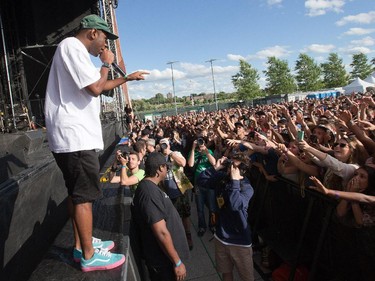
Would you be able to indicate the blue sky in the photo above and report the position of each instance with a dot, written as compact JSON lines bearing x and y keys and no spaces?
{"x":192,"y":32}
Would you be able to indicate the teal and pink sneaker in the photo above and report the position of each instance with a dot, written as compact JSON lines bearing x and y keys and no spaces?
{"x":97,"y":244}
{"x":102,"y":260}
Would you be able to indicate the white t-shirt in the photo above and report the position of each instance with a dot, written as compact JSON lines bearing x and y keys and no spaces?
{"x":72,"y":113}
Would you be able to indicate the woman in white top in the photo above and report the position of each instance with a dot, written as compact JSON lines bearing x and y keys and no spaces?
{"x":341,"y":166}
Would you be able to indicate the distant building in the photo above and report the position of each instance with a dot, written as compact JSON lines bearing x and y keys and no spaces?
{"x":202,"y":98}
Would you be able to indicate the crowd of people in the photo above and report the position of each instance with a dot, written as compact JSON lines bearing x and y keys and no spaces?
{"x":324,"y":145}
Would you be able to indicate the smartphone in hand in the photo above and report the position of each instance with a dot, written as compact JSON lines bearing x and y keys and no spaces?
{"x":300,"y":135}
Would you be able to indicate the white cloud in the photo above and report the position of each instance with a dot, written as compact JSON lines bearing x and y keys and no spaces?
{"x":359,"y":46}
{"x":319,"y":48}
{"x":366,"y":41}
{"x":359,"y":31}
{"x":262,"y":82}
{"x":235,"y":57}
{"x":355,"y":50}
{"x":188,"y":78}
{"x":177,"y":74}
{"x":275,"y":51}
{"x":156,"y":74}
{"x":194,"y":69}
{"x":320,"y":59}
{"x":225,"y":69}
{"x":362,"y":18}
{"x":321,"y":7}
{"x":274,"y":2}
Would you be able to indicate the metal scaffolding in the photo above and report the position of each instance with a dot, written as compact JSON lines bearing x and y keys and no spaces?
{"x":26,"y":54}
{"x":120,"y":94}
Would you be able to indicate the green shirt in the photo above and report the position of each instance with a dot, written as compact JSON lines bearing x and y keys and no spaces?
{"x":140,"y":174}
{"x":203,"y":163}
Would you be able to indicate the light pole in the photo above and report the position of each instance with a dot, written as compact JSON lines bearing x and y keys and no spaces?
{"x":213,"y":82}
{"x":174,"y":94}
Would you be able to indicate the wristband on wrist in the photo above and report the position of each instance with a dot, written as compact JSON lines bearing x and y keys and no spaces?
{"x":123,"y":167}
{"x":106,"y":65}
{"x":178,"y":263}
{"x":125,"y":76}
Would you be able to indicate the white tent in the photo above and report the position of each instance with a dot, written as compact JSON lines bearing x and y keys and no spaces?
{"x":370,"y":78}
{"x":358,"y":85}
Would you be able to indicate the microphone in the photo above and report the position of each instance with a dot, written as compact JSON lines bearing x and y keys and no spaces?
{"x":118,"y":69}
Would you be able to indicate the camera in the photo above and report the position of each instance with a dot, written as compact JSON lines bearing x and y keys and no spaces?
{"x":227,"y":163}
{"x":251,"y":135}
{"x":200,"y":141}
{"x":125,"y":155}
{"x":242,"y":166}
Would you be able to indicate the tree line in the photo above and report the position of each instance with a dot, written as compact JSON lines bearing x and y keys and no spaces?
{"x":308,"y":76}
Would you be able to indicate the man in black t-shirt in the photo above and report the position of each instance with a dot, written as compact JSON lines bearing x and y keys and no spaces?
{"x":157,"y":225}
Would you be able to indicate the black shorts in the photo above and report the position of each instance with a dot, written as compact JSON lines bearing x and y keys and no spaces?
{"x":81,"y":174}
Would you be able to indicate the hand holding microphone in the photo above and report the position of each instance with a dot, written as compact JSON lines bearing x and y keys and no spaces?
{"x":106,"y":56}
{"x":118,"y":69}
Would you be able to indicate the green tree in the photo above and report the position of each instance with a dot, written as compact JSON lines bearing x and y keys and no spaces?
{"x":159,"y":97}
{"x":245,"y":81}
{"x":222,"y":96}
{"x":279,"y":77}
{"x":334,"y":73}
{"x":140,"y":105}
{"x":308,"y":75}
{"x":360,"y":66}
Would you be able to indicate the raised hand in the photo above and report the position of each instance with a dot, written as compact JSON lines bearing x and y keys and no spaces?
{"x":235,"y":173}
{"x":232,"y":142}
{"x":366,"y":125}
{"x":318,"y":185}
{"x":345,"y":116}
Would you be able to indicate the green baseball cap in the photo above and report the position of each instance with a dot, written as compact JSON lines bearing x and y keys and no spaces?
{"x":94,"y":21}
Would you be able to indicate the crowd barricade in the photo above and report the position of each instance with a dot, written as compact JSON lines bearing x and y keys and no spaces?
{"x":301,"y":228}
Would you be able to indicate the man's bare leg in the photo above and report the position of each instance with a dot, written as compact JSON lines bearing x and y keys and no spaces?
{"x":83,"y":223}
{"x":77,"y":243}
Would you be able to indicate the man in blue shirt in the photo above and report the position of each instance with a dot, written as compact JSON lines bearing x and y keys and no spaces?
{"x":233,"y":235}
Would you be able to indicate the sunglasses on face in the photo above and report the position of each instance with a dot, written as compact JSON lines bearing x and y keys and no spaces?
{"x":340,"y":144}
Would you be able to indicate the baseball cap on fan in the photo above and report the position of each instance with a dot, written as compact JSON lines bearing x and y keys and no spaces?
{"x":238,"y":124}
{"x":96,"y":22}
{"x":154,"y":161}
